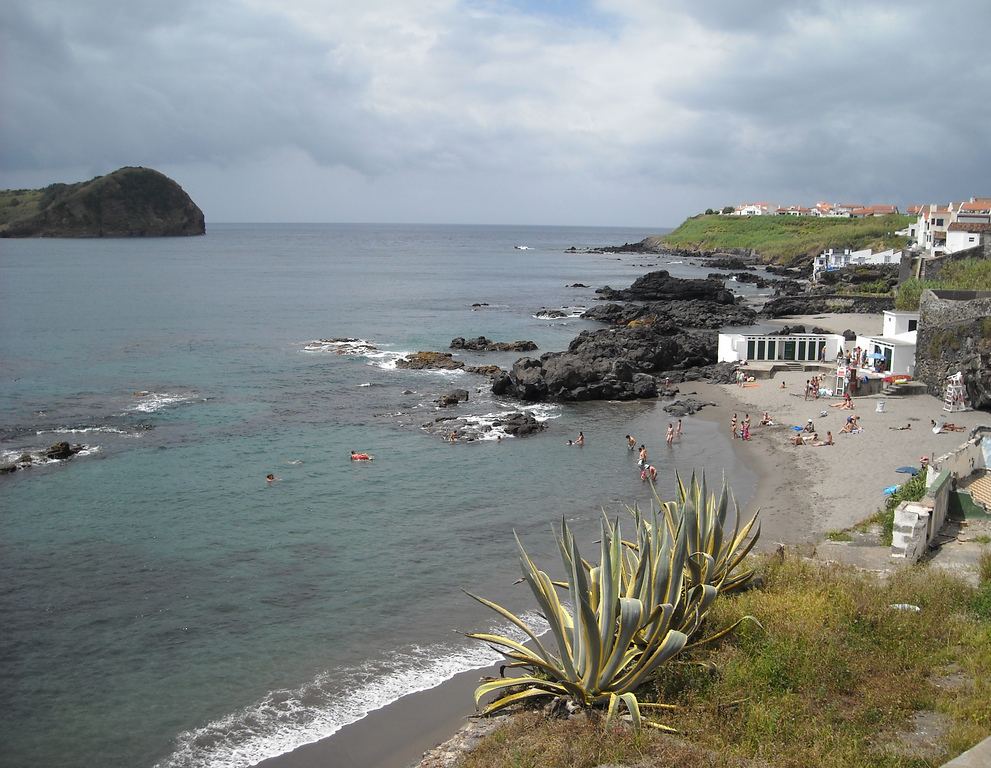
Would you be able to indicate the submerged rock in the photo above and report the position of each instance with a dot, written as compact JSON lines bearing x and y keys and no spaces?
{"x":482,"y":344}
{"x":519,"y":424}
{"x":686,"y":407}
{"x":453,"y":397}
{"x":62,"y":450}
{"x":427,"y":360}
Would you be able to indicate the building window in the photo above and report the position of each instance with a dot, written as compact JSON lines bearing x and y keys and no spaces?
{"x":771,"y":350}
{"x":939,"y":222}
{"x":801,"y":350}
{"x":912,"y":325}
{"x":761,"y":350}
{"x":750,"y":349}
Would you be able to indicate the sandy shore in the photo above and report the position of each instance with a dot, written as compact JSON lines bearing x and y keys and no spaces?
{"x":802,"y":493}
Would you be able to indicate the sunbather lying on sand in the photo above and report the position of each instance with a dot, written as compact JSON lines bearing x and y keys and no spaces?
{"x":907,"y":426}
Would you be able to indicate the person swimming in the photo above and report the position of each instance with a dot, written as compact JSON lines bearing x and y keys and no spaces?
{"x":356,"y":456}
{"x":270,"y":478}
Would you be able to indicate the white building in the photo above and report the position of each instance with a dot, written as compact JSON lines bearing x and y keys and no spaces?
{"x":934,"y":222}
{"x":893,"y":350}
{"x":961,"y":235}
{"x":754,"y":209}
{"x":834,"y":259}
{"x":761,"y":347}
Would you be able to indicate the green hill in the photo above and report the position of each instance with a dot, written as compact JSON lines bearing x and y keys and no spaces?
{"x":130,"y":202}
{"x":790,"y":240}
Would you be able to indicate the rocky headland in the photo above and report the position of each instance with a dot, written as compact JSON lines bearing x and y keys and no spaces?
{"x":130,"y":202}
{"x":482,"y":344}
{"x":663,"y":332}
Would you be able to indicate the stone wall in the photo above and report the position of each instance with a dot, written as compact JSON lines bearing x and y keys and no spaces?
{"x":955,"y":335}
{"x":932,"y":267}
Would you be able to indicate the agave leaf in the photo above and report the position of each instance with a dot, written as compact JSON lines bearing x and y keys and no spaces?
{"x":722,"y":632}
{"x":631,"y":612}
{"x":613,"y":709}
{"x":586,"y":635}
{"x":673,"y":643}
{"x":630,"y":700}
{"x":660,"y":727}
{"x":513,"y":698}
{"x":511,"y":617}
{"x":507,"y":642}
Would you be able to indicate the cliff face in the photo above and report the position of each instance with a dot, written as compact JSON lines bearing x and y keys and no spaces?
{"x":130,"y":202}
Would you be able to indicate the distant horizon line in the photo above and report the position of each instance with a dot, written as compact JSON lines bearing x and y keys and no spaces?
{"x":434,"y":224}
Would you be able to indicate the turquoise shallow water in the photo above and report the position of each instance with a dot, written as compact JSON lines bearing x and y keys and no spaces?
{"x":160,"y":603}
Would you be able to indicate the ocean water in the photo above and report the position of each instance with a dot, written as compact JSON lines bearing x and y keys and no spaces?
{"x":161,"y":604}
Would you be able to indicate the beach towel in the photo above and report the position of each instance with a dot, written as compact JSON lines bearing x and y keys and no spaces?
{"x":797,"y":429}
{"x":908,"y":470}
{"x":890,"y":490}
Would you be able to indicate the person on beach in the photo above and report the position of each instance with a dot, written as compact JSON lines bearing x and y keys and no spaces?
{"x":745,"y":432}
{"x":829,"y":438}
{"x":809,"y":426}
{"x":765,"y":420}
{"x":852,"y":425}
{"x":808,"y":388}
{"x":670,"y":434}
{"x":732,"y":426}
{"x":643,"y":457}
{"x":631,"y":442}
{"x":899,"y":429}
{"x":361,"y":456}
{"x":581,"y":438}
{"x":678,"y":429}
{"x":797,"y":439}
{"x":782,"y":384}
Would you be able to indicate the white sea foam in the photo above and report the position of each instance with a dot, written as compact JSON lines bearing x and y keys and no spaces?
{"x":557,"y":314}
{"x":287,"y":719}
{"x":83,"y":430}
{"x":156,"y":401}
{"x":342,"y":346}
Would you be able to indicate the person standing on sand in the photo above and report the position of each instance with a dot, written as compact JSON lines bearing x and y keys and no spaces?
{"x":732,"y":426}
{"x":745,"y":432}
{"x":670,"y":435}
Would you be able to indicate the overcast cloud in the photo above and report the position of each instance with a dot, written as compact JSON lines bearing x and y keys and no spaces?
{"x":627,"y":112}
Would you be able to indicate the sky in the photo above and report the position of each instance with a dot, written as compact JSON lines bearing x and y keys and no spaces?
{"x":607,"y":112}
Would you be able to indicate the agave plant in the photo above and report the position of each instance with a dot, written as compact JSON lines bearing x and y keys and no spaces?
{"x":704,"y":516}
{"x":630,"y":614}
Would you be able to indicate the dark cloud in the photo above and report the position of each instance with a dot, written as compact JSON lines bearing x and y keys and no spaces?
{"x":613,"y":110}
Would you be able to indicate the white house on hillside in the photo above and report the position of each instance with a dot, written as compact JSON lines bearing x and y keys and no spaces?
{"x":934,"y":222}
{"x":754,"y":209}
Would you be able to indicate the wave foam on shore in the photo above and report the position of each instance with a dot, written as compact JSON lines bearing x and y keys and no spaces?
{"x":287,"y":719}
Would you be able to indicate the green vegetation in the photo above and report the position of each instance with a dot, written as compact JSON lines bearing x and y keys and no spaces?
{"x":787,"y":239}
{"x":19,"y":203}
{"x":831,"y":676}
{"x":963,"y":275}
{"x":912,"y":490}
{"x":873,"y":288}
{"x":839,"y":536}
{"x":634,"y":611}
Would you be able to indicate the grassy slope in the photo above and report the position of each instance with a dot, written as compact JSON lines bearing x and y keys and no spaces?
{"x":787,"y":239}
{"x":830,"y":678}
{"x":19,"y":203}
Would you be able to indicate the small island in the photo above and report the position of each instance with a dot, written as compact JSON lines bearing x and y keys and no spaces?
{"x":130,"y":202}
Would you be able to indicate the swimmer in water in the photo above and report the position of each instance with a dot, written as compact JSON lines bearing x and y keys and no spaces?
{"x":270,"y":478}
{"x":355,"y":456}
{"x":631,"y":442}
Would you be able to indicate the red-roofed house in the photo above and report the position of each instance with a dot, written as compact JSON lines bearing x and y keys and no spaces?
{"x":934,"y":222}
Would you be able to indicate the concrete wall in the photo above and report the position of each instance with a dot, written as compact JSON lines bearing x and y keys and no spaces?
{"x":918,"y":522}
{"x":961,"y":461}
